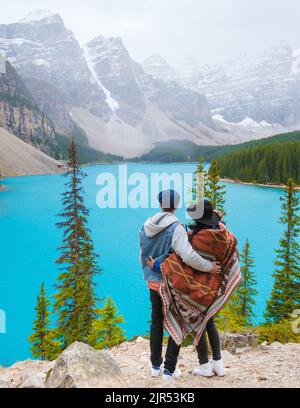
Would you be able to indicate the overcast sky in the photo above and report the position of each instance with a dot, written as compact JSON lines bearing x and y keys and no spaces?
{"x":214,"y":30}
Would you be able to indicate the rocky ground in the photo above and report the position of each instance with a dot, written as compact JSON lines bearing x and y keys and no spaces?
{"x":265,"y":366}
{"x":127,"y":365}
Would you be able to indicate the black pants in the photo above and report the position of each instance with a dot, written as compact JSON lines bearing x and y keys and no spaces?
{"x":214,"y":340}
{"x":157,"y":334}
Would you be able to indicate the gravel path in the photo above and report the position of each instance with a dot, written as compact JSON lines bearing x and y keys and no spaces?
{"x":266,"y":366}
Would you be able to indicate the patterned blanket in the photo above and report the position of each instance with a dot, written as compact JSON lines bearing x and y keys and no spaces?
{"x":191,"y":298}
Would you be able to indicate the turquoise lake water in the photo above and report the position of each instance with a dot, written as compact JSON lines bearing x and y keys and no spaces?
{"x":29,"y":240}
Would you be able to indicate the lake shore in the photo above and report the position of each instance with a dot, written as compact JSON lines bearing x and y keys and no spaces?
{"x":282,"y":186}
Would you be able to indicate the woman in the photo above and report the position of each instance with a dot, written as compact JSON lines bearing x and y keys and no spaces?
{"x":210,"y":220}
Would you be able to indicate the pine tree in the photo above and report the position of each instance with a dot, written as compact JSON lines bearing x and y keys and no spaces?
{"x":285,"y":296}
{"x":245,"y":295}
{"x":44,"y":345}
{"x":215,"y":192}
{"x":106,"y":330}
{"x":75,"y":300}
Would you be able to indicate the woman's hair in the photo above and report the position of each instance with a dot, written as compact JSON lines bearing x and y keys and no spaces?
{"x":197,"y":226}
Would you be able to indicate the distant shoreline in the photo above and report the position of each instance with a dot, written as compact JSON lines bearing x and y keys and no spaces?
{"x":282,"y":186}
{"x":225,"y":180}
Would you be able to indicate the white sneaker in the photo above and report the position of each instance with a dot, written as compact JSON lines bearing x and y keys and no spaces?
{"x":218,"y":368}
{"x":168,"y":376}
{"x":204,"y":370}
{"x":155,"y":372}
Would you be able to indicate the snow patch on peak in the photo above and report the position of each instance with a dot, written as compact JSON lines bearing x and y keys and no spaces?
{"x":37,"y":16}
{"x":248,"y":122}
{"x":220,"y":118}
{"x":263,"y":123}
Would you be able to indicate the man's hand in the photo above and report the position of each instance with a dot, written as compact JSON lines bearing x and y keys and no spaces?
{"x":216,"y":268}
{"x":150,"y":262}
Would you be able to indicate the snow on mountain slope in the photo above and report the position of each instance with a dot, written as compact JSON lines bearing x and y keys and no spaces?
{"x":113,"y":104}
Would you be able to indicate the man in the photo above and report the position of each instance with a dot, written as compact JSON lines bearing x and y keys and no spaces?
{"x":160,"y":235}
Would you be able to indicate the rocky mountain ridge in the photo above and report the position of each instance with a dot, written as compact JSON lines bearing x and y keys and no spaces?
{"x":20,"y":115}
{"x":263,"y":87}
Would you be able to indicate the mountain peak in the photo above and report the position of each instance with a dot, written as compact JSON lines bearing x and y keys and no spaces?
{"x":158,"y":67}
{"x":38,"y":16}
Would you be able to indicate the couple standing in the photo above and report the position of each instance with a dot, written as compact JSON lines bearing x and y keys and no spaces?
{"x":163,"y":237}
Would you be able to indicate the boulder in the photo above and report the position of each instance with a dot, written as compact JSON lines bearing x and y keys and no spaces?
{"x":80,"y":366}
{"x":237,"y":343}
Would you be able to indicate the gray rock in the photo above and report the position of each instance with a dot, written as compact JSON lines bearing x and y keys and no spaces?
{"x":80,"y":366}
{"x":274,"y":346}
{"x":236,"y":343}
{"x":25,"y":374}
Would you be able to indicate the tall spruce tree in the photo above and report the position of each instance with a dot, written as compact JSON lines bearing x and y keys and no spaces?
{"x":214,"y":191}
{"x":106,"y":330}
{"x":75,"y":300}
{"x":44,"y":346}
{"x":246,"y":292}
{"x":285,"y":296}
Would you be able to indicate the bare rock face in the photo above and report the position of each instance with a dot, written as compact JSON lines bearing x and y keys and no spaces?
{"x":25,"y":374}
{"x":80,"y":366}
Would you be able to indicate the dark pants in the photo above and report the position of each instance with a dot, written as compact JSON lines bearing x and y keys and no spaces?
{"x":157,"y":334}
{"x":214,"y":340}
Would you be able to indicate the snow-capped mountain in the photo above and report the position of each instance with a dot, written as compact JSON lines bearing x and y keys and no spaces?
{"x":145,"y":109}
{"x":52,"y":64}
{"x":265,"y":87}
{"x":121,"y":108}
{"x":124,"y":107}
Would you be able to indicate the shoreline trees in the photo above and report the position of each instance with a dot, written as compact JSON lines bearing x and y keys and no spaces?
{"x":285,"y":296}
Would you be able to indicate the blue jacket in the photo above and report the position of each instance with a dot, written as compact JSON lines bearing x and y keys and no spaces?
{"x":159,"y":246}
